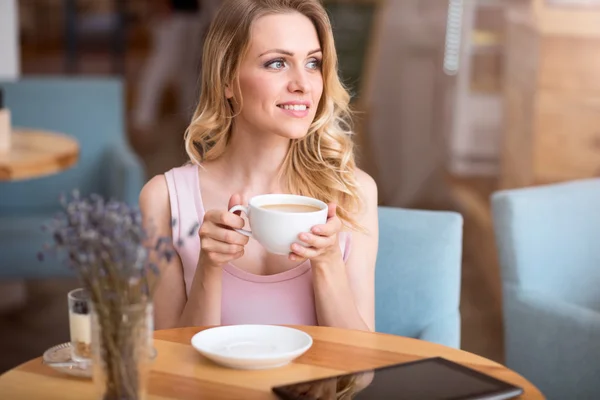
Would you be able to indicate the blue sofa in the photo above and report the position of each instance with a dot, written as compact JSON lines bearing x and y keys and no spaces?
{"x":91,"y":110}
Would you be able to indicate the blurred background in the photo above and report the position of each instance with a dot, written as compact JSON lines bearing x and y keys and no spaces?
{"x":455,"y":99}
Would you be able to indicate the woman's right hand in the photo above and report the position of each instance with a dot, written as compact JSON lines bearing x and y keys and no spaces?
{"x":219,"y":242}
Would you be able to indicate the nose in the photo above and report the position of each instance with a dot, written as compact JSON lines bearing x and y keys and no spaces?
{"x":299,"y":82}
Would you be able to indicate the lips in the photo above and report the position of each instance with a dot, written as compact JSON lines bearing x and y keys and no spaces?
{"x":295,"y":110}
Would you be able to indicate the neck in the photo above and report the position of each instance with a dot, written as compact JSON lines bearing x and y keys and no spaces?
{"x":254,"y":161}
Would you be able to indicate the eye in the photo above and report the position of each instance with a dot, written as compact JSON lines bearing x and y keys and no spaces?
{"x":278,"y":63}
{"x":314,"y":63}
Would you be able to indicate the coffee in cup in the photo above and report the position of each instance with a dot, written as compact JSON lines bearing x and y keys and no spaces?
{"x":293,"y":208}
{"x":276,"y":220}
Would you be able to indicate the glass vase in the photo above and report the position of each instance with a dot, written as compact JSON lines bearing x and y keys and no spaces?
{"x":122,"y":350}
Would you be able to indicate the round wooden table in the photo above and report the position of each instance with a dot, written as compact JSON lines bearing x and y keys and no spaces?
{"x":36,"y":153}
{"x":180,"y":372}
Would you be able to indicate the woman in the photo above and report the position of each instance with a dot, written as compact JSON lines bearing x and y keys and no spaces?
{"x":271,"y":119}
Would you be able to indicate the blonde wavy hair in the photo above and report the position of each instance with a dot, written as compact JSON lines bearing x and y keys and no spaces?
{"x":321,"y":164}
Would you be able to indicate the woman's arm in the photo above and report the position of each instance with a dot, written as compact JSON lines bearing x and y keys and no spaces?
{"x":345,"y":293}
{"x":169,"y":295}
{"x":172,"y":307}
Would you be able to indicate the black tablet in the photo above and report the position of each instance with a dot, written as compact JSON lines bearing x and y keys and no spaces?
{"x":427,"y":379}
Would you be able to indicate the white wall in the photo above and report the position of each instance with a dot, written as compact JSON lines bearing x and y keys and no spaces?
{"x":10,"y":65}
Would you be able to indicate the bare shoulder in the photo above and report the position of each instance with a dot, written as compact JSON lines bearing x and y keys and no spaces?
{"x":368,"y":187}
{"x":154,"y":201}
{"x":155,"y":192}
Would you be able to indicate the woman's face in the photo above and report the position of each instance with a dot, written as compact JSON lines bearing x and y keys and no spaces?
{"x":280,"y":80}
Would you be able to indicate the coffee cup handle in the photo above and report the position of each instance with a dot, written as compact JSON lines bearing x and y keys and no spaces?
{"x":245,"y":211}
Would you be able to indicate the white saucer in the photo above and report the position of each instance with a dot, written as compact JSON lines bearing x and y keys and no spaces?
{"x":59,"y":358}
{"x":252,"y":346}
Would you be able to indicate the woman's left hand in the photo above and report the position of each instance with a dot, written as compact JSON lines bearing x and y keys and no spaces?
{"x":322,"y":243}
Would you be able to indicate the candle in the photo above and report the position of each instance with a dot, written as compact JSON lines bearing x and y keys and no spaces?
{"x":4,"y":126}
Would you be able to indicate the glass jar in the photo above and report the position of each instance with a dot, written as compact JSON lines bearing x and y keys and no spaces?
{"x":122,"y":350}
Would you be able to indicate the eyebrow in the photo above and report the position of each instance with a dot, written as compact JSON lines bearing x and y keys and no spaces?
{"x":287,"y":52}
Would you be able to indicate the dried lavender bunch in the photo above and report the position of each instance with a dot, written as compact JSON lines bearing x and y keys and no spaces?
{"x":115,"y":258}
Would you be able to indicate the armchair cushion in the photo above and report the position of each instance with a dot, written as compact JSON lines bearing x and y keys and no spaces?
{"x":418,"y":274}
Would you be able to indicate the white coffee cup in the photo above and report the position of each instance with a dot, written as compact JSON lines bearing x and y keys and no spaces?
{"x":276,"y":220}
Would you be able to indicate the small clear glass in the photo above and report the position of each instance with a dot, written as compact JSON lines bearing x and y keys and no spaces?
{"x":80,"y":325}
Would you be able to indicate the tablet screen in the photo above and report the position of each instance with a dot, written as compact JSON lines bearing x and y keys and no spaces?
{"x":429,"y":379}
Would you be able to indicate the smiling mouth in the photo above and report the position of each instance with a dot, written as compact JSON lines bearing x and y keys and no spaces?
{"x":294,"y":107}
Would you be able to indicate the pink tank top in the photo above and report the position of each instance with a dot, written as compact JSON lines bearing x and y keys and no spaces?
{"x":283,"y":298}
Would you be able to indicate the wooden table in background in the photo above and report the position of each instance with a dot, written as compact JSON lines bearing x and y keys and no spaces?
{"x":36,"y":153}
{"x":180,"y":372}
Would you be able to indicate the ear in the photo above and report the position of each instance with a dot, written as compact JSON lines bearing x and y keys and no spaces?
{"x":228,"y":91}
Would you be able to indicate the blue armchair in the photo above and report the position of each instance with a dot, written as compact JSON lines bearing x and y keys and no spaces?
{"x":417,"y":280}
{"x":548,"y":239}
{"x":91,"y":110}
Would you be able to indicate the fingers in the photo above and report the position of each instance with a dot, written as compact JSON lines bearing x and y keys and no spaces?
{"x":321,"y":239}
{"x":216,"y":251}
{"x":234,"y":200}
{"x":221,"y":234}
{"x":299,"y":252}
{"x":316,"y":241}
{"x":333,"y":226}
{"x":224,"y":218}
{"x":219,"y":242}
{"x":331,"y":210}
{"x":217,"y":259}
{"x":212,"y":245}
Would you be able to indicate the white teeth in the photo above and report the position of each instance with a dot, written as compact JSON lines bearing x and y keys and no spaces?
{"x":295,"y":107}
